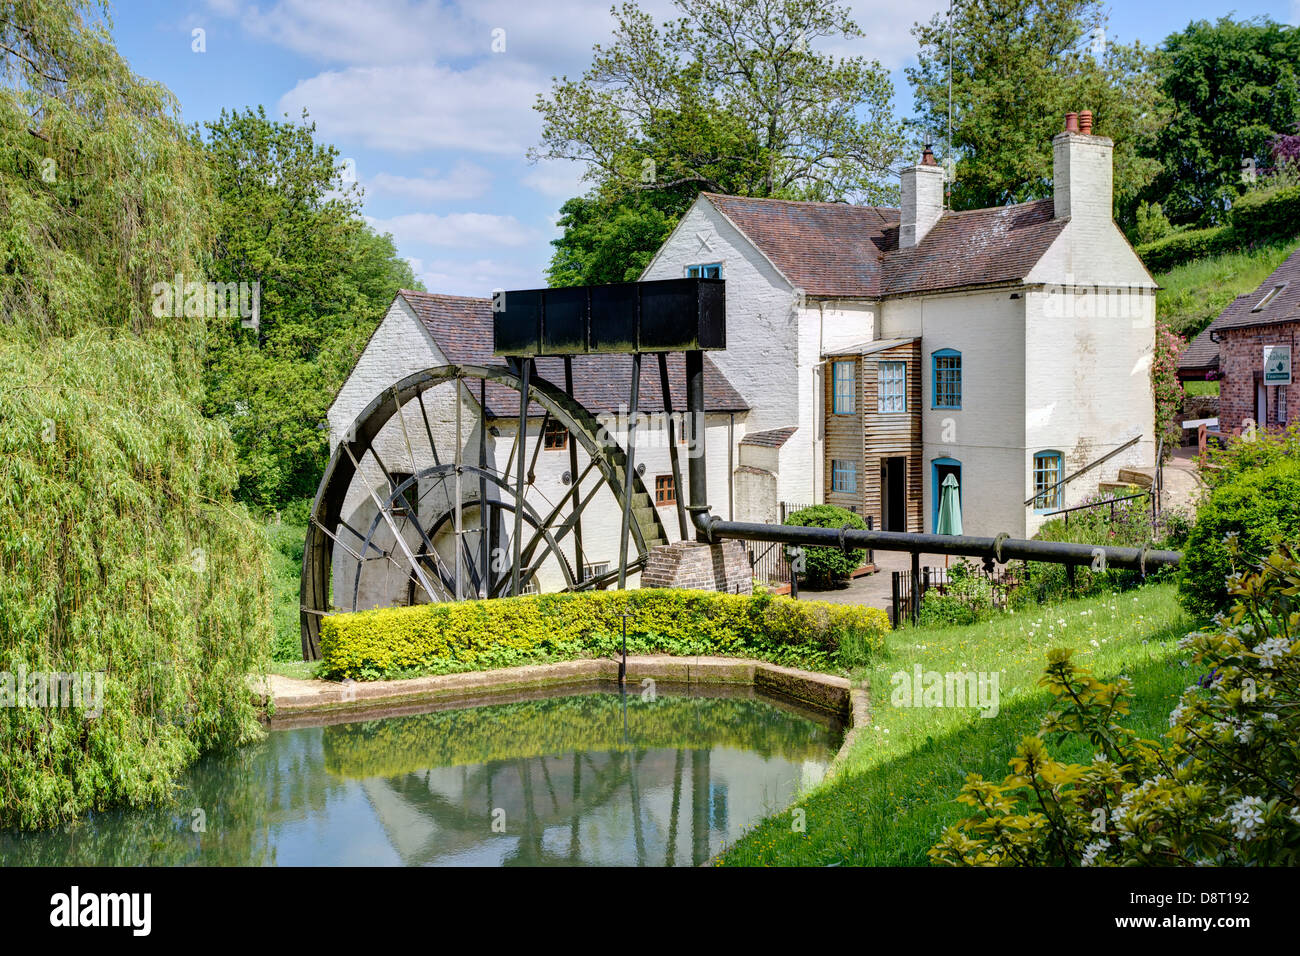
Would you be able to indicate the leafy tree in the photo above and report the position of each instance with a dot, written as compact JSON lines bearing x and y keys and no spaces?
{"x":122,"y":554}
{"x":287,"y":220}
{"x":1018,"y":66}
{"x":1233,"y":87}
{"x":730,"y":97}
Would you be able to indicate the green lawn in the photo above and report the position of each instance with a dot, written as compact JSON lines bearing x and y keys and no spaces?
{"x":286,"y":570}
{"x":895,"y":793}
{"x":1201,"y":388}
{"x":1191,"y":295}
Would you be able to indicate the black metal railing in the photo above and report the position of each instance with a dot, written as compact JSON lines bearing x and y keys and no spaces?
{"x":907,"y":594}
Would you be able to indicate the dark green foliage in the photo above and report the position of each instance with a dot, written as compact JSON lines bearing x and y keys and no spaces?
{"x":286,"y":219}
{"x":1018,"y":66}
{"x":826,"y":566}
{"x":1261,"y":216}
{"x":1237,"y":527}
{"x":1232,"y":86}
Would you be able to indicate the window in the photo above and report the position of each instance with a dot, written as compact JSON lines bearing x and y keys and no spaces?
{"x":590,"y":571}
{"x":665,"y":490}
{"x":411,"y":495}
{"x":843,"y":385}
{"x":947,"y":379}
{"x":844,"y":475}
{"x":891,"y":387}
{"x":555,"y":437}
{"x":1272,"y":294}
{"x":711,"y":270}
{"x":1048,"y":472}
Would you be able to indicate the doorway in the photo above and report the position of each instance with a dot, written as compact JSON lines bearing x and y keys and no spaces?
{"x":1261,"y":402}
{"x":943,"y":467}
{"x":893,"y":494}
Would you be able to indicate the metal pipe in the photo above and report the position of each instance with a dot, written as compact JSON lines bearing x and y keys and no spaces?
{"x":695,"y":407}
{"x":1000,"y":549}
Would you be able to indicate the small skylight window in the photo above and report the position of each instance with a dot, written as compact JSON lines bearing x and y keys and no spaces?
{"x":1272,"y":294}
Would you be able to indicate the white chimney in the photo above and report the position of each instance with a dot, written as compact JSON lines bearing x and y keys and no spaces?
{"x":1082,"y":171}
{"x":922,"y":200}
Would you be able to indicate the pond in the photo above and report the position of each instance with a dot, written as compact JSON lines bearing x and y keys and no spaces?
{"x":592,"y":778}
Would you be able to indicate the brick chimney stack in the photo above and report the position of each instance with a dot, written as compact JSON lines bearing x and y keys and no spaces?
{"x":1082,"y":171}
{"x":922,"y":197}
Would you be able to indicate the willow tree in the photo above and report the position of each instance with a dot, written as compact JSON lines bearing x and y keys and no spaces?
{"x":733,"y":96}
{"x":122,"y":556}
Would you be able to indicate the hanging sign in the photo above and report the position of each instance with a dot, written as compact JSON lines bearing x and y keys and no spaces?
{"x":1277,"y":365}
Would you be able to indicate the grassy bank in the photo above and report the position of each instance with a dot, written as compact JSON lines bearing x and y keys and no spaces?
{"x":1191,"y":295}
{"x":894,"y":794}
{"x":286,"y":571}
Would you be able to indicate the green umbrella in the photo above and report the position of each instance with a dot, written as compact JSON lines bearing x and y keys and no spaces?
{"x":949,"y":507}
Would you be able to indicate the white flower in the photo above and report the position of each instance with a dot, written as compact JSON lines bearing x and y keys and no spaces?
{"x":1272,"y":650}
{"x":1245,"y":816}
{"x":1244,"y":733}
{"x":1294,"y":814}
{"x":1093,"y":850}
{"x":1269,"y":716}
{"x":1176,"y":715}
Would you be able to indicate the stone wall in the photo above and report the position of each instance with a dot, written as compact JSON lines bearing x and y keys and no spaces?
{"x":697,"y":566}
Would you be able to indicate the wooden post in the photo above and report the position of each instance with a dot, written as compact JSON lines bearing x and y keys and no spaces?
{"x":916,"y":583}
{"x":629,"y":471}
{"x":896,"y":593}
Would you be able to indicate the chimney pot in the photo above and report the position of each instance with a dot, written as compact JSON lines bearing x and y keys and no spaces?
{"x":927,"y":157}
{"x":1072,"y":122}
{"x":1085,"y":122}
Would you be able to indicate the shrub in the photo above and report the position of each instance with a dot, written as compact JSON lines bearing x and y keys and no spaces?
{"x":1185,"y":246}
{"x":1166,"y":387}
{"x":1238,"y":523}
{"x":1152,"y":224}
{"x":825,"y":566}
{"x":967,"y":598}
{"x":1261,"y":215}
{"x":478,"y":635}
{"x":1256,"y":449}
{"x":1218,"y":790}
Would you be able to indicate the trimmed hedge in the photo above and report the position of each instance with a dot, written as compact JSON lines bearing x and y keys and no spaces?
{"x":825,"y":566}
{"x":1171,"y":251}
{"x":449,"y":637}
{"x":1258,"y":216}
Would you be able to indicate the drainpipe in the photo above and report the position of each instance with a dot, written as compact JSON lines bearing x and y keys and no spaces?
{"x":731,"y":466}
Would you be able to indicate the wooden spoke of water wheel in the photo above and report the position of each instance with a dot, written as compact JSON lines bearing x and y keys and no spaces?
{"x":538,"y":534}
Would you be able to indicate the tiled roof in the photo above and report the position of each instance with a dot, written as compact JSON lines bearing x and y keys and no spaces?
{"x":772,"y":438}
{"x":824,"y":248}
{"x":979,"y":247}
{"x":834,"y":249}
{"x":462,"y":327}
{"x":1283,"y":307}
{"x":1202,"y":353}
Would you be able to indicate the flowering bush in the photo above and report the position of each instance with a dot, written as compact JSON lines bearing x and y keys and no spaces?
{"x":1166,"y":385}
{"x":1222,"y":788}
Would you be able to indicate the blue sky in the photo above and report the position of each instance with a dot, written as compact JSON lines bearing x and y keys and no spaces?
{"x":437,"y":123}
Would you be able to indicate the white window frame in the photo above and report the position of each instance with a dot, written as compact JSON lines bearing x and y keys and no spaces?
{"x":891,"y":388}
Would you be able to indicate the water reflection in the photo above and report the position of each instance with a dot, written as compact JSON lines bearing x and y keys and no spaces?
{"x":597,"y":778}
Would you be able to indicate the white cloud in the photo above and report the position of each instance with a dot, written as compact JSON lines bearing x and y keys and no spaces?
{"x":474,"y":276}
{"x":485,"y":109}
{"x":458,"y":229}
{"x":465,"y":180}
{"x":888,"y":28}
{"x":343,"y":31}
{"x":556,"y":178}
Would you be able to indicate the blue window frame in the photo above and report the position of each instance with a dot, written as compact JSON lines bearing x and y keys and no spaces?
{"x":891,"y":387}
{"x":940,"y":468}
{"x":947,"y":378}
{"x":707,"y":270}
{"x":1049,"y":469}
{"x":844,"y":381}
{"x":844,"y":475}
